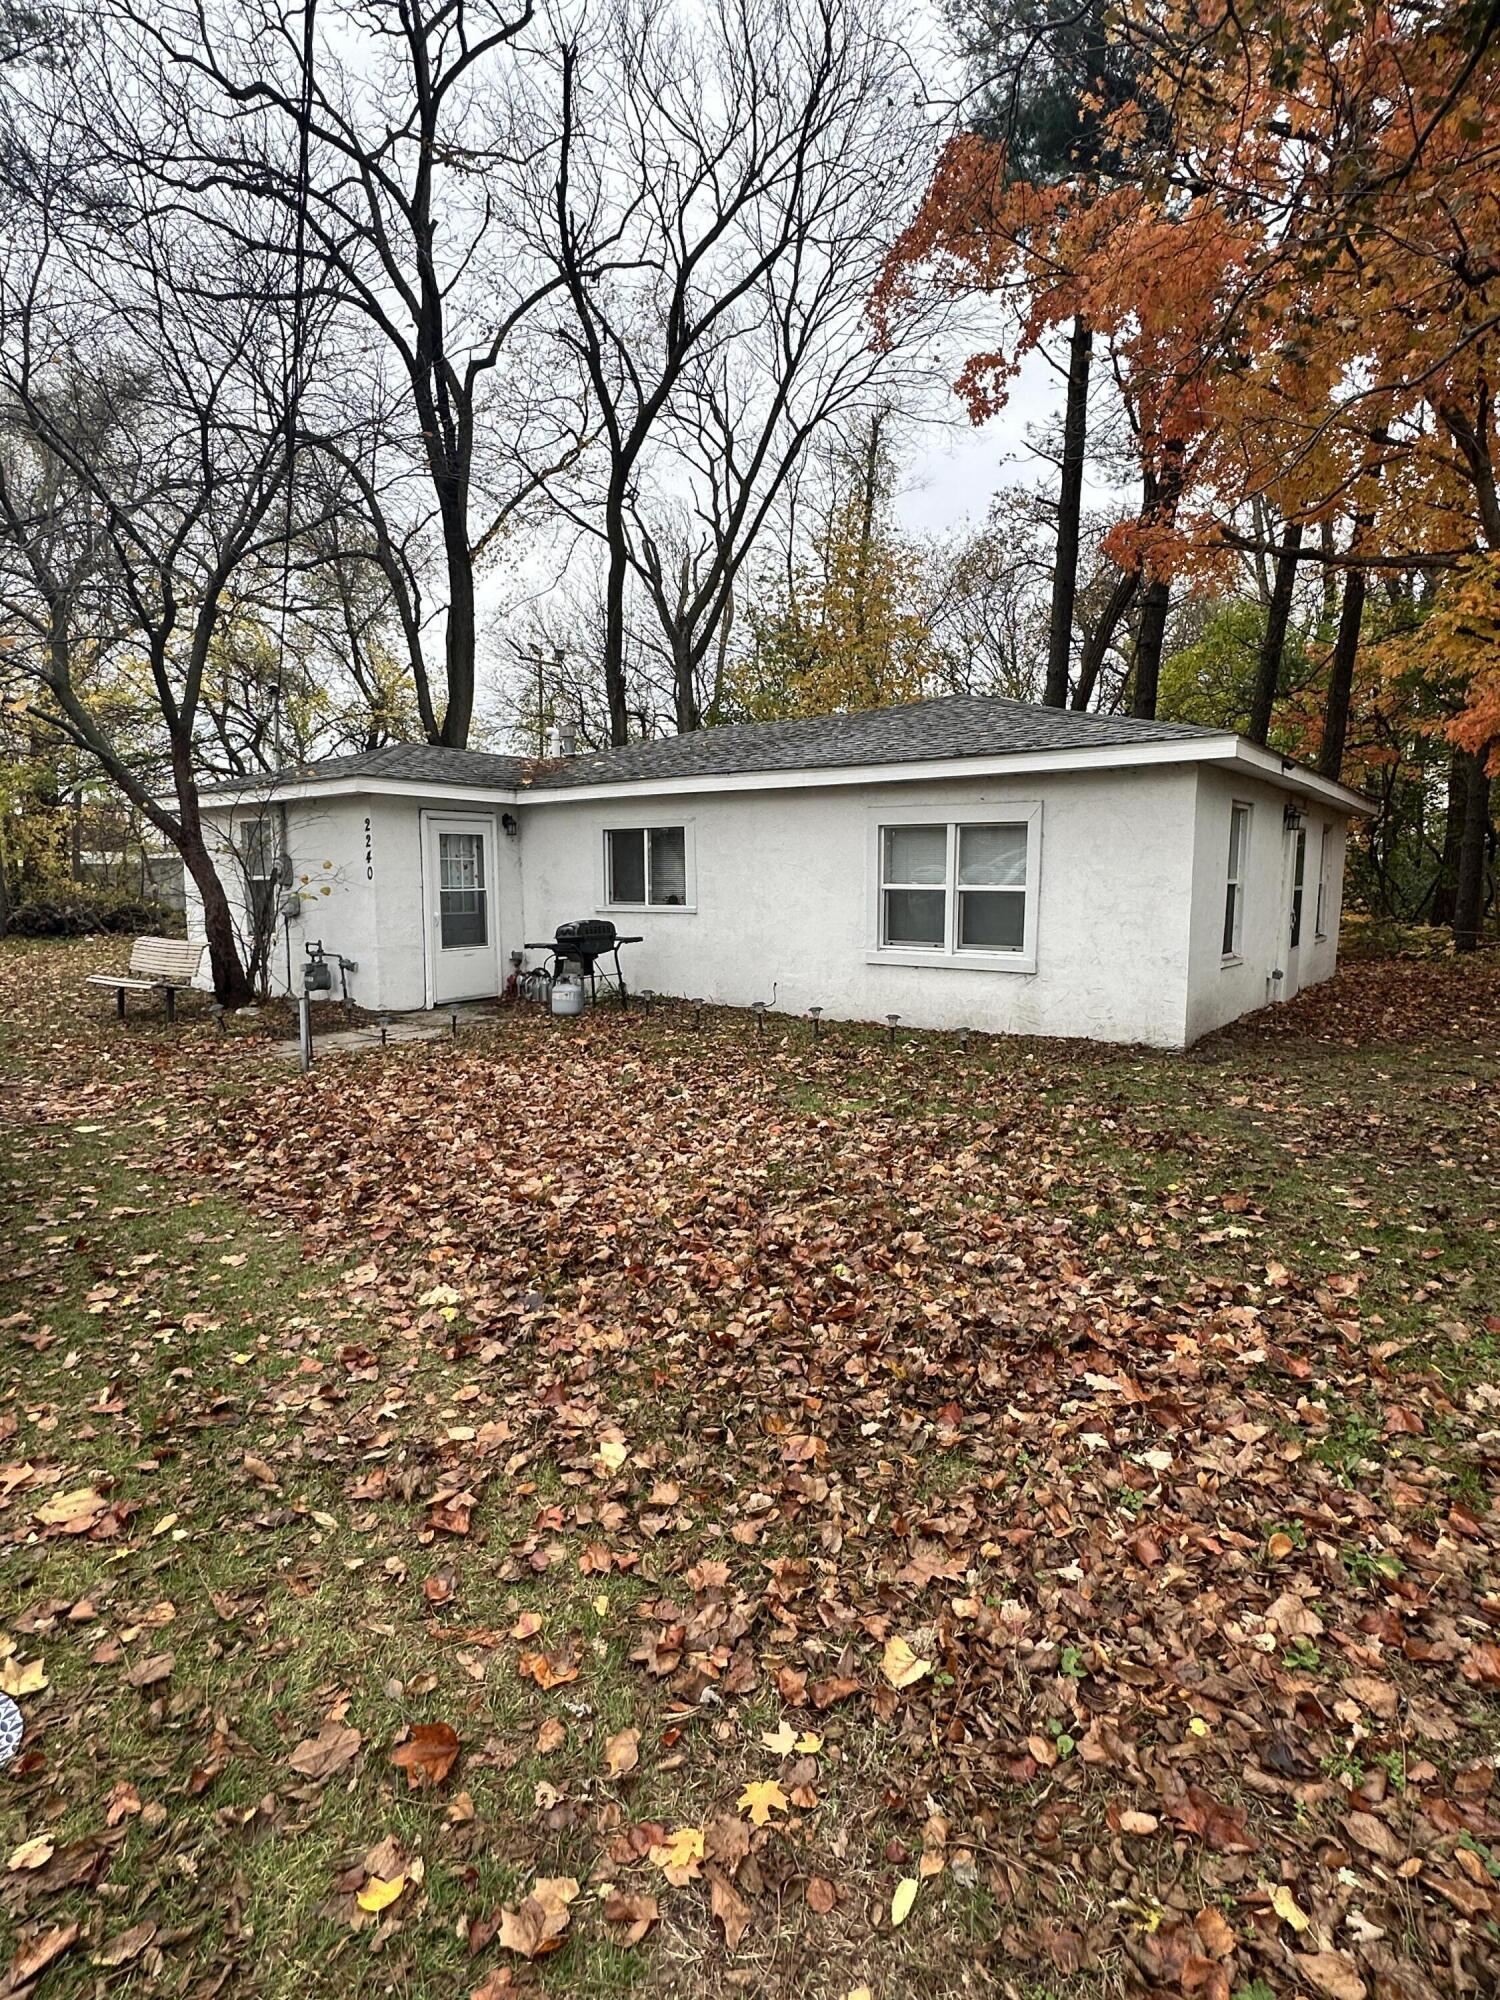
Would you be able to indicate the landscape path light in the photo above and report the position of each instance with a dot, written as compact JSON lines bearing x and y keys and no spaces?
{"x":11,"y":1729}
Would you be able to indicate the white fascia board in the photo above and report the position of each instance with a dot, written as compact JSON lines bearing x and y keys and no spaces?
{"x":1224,"y":750}
{"x":1292,"y":777}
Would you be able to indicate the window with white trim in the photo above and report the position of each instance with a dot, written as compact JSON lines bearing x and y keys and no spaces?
{"x":255,"y":842}
{"x":959,"y":889}
{"x":1299,"y":879}
{"x":645,"y":867}
{"x":1324,"y":845}
{"x":1234,"y":889}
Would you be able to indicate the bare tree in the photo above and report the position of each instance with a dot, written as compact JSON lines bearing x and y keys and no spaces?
{"x":142,"y":464}
{"x":406,"y":106}
{"x":724,"y":185}
{"x":989,"y":613}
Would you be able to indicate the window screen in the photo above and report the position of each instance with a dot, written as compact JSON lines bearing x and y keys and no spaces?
{"x":914,"y":886}
{"x":646,"y":865}
{"x":991,"y":888}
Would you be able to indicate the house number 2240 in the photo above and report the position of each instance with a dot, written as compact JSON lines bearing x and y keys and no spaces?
{"x":369,"y":854}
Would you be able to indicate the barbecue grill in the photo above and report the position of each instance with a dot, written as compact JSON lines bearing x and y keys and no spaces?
{"x":583,"y":943}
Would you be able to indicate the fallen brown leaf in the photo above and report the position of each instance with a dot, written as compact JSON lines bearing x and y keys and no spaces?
{"x":330,"y":1751}
{"x":537,"y":1927}
{"x":427,"y":1755}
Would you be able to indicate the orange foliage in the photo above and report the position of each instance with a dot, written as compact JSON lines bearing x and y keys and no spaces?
{"x":1295,"y":264}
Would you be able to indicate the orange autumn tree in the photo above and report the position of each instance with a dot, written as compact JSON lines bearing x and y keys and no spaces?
{"x":1144,"y":274}
{"x":1295,"y":259}
{"x":1357,"y":353}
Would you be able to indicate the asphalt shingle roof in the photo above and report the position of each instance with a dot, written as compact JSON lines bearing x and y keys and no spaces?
{"x":952,"y":726}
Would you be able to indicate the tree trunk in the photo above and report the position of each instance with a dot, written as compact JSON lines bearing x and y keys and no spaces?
{"x":1273,"y":645}
{"x":232,"y":986}
{"x":1150,"y":636}
{"x":614,"y":639}
{"x":1069,"y":515}
{"x":684,"y":687}
{"x":1446,"y":886}
{"x":458,"y":649}
{"x":1341,"y":677}
{"x":1468,"y":899}
{"x":1097,"y":644}
{"x":1160,"y":493}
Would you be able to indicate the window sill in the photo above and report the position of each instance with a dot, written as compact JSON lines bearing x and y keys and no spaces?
{"x":1230,"y":958}
{"x":950,"y":961}
{"x":645,"y":909}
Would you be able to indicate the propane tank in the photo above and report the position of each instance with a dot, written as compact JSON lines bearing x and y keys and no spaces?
{"x":567,"y":994}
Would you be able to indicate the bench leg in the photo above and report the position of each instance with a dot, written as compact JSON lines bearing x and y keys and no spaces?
{"x":119,"y":1003}
{"x":171,"y":993}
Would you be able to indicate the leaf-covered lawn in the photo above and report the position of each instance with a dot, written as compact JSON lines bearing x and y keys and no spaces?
{"x":623,"y":1506}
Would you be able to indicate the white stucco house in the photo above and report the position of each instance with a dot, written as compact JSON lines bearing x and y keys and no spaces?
{"x":966,"y":862}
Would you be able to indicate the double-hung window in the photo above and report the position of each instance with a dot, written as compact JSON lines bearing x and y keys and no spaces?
{"x":1299,"y":873}
{"x":1321,"y":911}
{"x":255,"y":840}
{"x":962,"y":891}
{"x":1234,"y":891}
{"x":645,"y":867}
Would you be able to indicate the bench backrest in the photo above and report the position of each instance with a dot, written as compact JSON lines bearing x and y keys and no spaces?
{"x":171,"y":959}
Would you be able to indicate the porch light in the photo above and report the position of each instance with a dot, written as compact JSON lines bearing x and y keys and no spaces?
{"x":1291,"y":817}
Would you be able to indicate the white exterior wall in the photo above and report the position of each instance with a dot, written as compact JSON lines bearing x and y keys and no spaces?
{"x":357,"y":866}
{"x":1128,"y":898}
{"x":1222,"y":988}
{"x":783,"y":896}
{"x":325,"y":839}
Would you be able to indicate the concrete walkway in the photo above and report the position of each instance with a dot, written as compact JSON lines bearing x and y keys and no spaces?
{"x":427,"y":1024}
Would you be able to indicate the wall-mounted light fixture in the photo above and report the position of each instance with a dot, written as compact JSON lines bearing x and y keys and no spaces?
{"x":1291,"y":818}
{"x":510,"y":826}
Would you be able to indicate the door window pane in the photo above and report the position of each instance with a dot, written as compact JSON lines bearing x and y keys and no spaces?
{"x":463,"y":915}
{"x":991,"y":920}
{"x":668,"y":865}
{"x":627,"y":865}
{"x":915,"y":916}
{"x":992,"y":857}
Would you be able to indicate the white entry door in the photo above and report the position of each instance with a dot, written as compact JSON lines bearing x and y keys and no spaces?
{"x":458,"y":865}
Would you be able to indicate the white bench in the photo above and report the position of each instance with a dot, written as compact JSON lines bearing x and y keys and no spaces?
{"x":157,"y":965}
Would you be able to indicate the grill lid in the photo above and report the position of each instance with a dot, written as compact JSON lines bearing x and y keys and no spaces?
{"x":593,"y":933}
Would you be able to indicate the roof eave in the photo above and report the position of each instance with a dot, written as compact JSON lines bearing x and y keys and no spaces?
{"x":1225,"y":750}
{"x":1295,"y":777}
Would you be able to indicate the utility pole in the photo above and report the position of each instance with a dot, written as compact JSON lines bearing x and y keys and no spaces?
{"x":538,"y":659}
